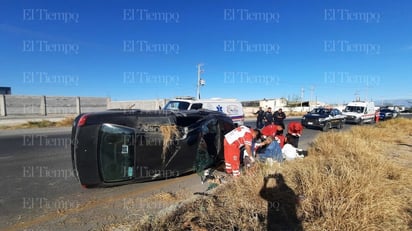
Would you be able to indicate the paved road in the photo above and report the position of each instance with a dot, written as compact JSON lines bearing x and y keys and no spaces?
{"x":39,"y":191}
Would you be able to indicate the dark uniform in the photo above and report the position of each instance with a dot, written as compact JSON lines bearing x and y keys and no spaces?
{"x":278,"y":117}
{"x":260,"y":117}
{"x":268,"y":117}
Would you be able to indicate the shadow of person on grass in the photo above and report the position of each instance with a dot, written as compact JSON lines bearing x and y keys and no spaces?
{"x":281,"y":203}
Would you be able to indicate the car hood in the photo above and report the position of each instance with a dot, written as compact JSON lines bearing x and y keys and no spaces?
{"x":316,"y":115}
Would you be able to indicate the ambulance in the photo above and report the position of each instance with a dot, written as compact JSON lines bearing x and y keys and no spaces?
{"x":230,"y":107}
{"x":360,"y":112}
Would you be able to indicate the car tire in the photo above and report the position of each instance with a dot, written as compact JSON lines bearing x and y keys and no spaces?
{"x":340,"y":125}
{"x":326,"y":127}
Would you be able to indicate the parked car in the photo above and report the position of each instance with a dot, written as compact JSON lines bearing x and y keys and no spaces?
{"x":386,"y":113}
{"x":359,"y":112}
{"x":125,"y":146}
{"x":323,"y":118}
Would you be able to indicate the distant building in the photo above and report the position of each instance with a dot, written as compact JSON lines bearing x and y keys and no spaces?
{"x":250,"y":103}
{"x":5,"y":90}
{"x":273,"y":103}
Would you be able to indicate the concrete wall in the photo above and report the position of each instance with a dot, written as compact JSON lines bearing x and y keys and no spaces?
{"x":49,"y":105}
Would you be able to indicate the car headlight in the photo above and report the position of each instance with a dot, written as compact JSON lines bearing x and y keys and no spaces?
{"x":321,"y":119}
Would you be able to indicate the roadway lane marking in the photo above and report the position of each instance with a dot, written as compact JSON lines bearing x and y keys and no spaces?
{"x":93,"y":204}
{"x":5,"y":156}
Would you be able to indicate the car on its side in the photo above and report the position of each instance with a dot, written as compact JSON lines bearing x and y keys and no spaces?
{"x":386,"y":113}
{"x":323,"y":118}
{"x":125,"y":146}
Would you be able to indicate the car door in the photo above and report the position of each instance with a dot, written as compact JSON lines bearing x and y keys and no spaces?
{"x":332,"y":117}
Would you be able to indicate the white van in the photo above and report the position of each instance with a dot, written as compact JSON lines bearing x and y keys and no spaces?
{"x":360,"y":112}
{"x":231,"y":107}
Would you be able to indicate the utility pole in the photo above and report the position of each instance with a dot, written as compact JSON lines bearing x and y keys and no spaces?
{"x":357,"y":98}
{"x":200,"y":81}
{"x":301,"y":98}
{"x":311,"y":97}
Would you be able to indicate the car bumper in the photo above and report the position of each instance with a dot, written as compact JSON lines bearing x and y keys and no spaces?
{"x":313,"y":123}
{"x":352,"y":119}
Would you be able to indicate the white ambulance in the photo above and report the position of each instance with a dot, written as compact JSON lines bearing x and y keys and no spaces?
{"x":230,"y":107}
{"x":360,"y":112}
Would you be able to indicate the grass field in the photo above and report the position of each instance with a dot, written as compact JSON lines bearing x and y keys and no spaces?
{"x":66,"y":122}
{"x":354,"y":180}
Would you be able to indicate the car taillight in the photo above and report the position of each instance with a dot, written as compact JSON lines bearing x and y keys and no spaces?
{"x":82,"y":121}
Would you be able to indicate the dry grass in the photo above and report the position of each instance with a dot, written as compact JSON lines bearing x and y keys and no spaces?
{"x":350,"y":181}
{"x":295,"y":113}
{"x":66,"y":122}
{"x":169,"y":132}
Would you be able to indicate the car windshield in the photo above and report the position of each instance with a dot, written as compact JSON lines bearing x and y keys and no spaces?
{"x":320,"y":111}
{"x":116,"y":152}
{"x":177,"y":105}
{"x":354,"y":109}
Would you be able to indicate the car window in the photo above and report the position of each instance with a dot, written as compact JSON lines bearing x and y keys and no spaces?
{"x":335,"y":112}
{"x":177,"y":105}
{"x":196,"y":106}
{"x":316,"y":111}
{"x":354,"y":109}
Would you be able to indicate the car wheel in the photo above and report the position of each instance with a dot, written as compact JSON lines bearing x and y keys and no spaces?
{"x":326,"y":127}
{"x":340,"y":125}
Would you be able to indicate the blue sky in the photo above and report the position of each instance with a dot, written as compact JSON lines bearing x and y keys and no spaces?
{"x":127,"y":50}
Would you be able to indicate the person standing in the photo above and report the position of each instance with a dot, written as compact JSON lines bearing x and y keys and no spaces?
{"x":377,"y":116}
{"x":234,"y":140}
{"x":259,"y":119}
{"x":279,"y":117}
{"x":268,"y":117}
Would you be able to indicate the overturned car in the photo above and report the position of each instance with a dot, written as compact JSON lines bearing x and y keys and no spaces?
{"x":125,"y":146}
